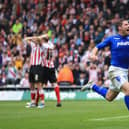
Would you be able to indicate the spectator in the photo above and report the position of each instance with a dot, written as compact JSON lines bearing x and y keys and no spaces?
{"x":72,"y":24}
{"x":1,"y":81}
{"x":1,"y":62}
{"x":17,"y":27}
{"x":93,"y":72}
{"x":65,"y":76}
{"x":82,"y":80}
{"x":25,"y":81}
{"x":11,"y":73}
{"x":76,"y":72}
{"x":19,"y":62}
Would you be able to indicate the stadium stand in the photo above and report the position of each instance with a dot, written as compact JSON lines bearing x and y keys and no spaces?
{"x":74,"y":26}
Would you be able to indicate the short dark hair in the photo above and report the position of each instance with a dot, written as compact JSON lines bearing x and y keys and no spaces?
{"x":120,"y":23}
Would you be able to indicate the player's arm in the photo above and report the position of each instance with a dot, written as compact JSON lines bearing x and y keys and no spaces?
{"x":34,"y":39}
{"x":101,"y":45}
{"x":37,"y":37}
{"x":27,"y":40}
{"x":93,"y":55}
{"x":43,"y":36}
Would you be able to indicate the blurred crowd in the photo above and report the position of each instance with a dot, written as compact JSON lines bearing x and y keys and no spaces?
{"x":73,"y":26}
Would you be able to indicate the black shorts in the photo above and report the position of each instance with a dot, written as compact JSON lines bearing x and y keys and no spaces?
{"x":49,"y":75}
{"x":35,"y":74}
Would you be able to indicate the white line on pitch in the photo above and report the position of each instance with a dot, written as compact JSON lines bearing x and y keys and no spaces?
{"x":108,"y":118}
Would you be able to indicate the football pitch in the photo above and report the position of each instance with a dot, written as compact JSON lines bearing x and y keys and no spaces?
{"x":90,"y":114}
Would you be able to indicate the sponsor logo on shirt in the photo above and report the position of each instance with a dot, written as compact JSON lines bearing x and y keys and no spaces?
{"x":122,"y":43}
{"x":116,"y":38}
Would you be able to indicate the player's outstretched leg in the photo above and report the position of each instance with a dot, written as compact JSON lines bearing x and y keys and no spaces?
{"x":100,"y":90}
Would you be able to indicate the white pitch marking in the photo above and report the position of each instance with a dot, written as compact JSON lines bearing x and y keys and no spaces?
{"x":109,"y":118}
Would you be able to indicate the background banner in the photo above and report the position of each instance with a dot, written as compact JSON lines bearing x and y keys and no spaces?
{"x":50,"y":95}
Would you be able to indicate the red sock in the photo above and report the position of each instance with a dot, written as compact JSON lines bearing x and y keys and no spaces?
{"x":37,"y":97}
{"x":41,"y":95}
{"x":57,"y":91}
{"x":32,"y":92}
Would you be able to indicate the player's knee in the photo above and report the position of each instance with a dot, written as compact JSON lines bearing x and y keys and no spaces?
{"x":109,"y":99}
{"x":126,"y":92}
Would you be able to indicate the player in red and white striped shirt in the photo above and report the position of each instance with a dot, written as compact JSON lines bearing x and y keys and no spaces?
{"x":49,"y":68}
{"x":35,"y":58}
{"x":48,"y":55}
{"x":35,"y":74}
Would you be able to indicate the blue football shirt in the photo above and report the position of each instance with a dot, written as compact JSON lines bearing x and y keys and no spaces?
{"x":119,"y":46}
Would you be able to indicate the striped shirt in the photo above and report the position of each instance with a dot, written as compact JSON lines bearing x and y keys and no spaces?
{"x":48,"y":55}
{"x":36,"y":54}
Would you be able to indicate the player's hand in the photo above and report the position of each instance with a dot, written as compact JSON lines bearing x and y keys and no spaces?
{"x":27,"y":38}
{"x":43,"y":36}
{"x":93,"y":57}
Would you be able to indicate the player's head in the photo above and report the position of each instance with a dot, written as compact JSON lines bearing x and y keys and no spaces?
{"x":123,"y":27}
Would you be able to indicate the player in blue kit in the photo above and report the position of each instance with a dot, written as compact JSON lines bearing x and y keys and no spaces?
{"x":118,"y":71}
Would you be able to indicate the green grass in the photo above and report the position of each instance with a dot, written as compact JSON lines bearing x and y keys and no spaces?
{"x":73,"y":115}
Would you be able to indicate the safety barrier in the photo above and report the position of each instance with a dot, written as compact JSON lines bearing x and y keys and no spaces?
{"x":66,"y":93}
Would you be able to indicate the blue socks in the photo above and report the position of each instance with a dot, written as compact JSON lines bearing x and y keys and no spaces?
{"x":103,"y":91}
{"x":126,"y":98}
{"x":100,"y":90}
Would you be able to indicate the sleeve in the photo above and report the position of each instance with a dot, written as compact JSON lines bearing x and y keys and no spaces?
{"x":106,"y":42}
